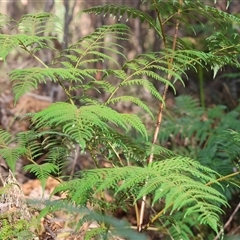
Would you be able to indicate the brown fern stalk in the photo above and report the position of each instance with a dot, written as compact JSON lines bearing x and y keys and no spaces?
{"x":161,"y":105}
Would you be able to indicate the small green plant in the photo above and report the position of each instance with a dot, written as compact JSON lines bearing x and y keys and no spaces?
{"x":181,"y":191}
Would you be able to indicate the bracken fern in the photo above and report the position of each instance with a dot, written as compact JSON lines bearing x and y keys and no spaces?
{"x":181,"y":183}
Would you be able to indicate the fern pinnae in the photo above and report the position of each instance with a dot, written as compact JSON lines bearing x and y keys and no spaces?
{"x":105,"y":85}
{"x":42,"y":171}
{"x":135,"y":122}
{"x":118,"y":11}
{"x":25,"y":80}
{"x":5,"y":20}
{"x":8,"y":44}
{"x":38,"y":24}
{"x":5,"y":138}
{"x":135,"y":100}
{"x":98,"y":35}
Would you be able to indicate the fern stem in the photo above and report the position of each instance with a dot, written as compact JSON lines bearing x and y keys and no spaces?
{"x":162,"y":104}
{"x":224,"y":178}
{"x":93,"y":156}
{"x":160,"y":22}
{"x":201,"y":87}
{"x":116,"y":153}
{"x":228,"y":222}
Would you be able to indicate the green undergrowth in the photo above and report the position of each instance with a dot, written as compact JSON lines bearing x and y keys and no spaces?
{"x":179,"y":177}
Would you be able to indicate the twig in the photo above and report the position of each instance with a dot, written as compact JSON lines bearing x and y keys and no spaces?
{"x":228,"y":222}
{"x":76,"y":155}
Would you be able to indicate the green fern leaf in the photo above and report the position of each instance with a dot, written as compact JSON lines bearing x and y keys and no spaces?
{"x":181,"y":181}
{"x":5,"y":138}
{"x":9,"y":153}
{"x":131,"y":99}
{"x":25,"y":80}
{"x":5,"y":20}
{"x":146,"y":84}
{"x":8,"y":44}
{"x":93,"y":47}
{"x":39,"y":24}
{"x":12,"y":155}
{"x":117,"y":11}
{"x":79,"y":124}
{"x":42,"y":171}
{"x":95,"y":232}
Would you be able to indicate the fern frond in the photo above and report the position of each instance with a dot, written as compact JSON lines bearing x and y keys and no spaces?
{"x":5,"y":20}
{"x":79,"y":123}
{"x":10,"y":153}
{"x":39,"y":24}
{"x":5,"y":138}
{"x":10,"y":42}
{"x":118,"y":11}
{"x":135,"y":100}
{"x":58,"y":156}
{"x":144,"y":83}
{"x":25,"y":80}
{"x":173,"y":179}
{"x":122,"y":120}
{"x":94,"y":47}
{"x":105,"y":85}
{"x":42,"y":172}
{"x":35,"y":31}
